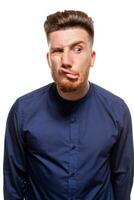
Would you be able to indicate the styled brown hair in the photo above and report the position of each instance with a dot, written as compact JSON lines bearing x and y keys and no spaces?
{"x":68,"y":19}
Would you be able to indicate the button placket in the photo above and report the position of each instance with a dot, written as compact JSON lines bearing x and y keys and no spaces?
{"x":74,"y":135}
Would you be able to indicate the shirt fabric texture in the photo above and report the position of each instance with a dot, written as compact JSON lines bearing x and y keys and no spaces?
{"x":56,"y":149}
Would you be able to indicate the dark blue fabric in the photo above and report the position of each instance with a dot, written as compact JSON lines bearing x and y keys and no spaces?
{"x":57,"y":149}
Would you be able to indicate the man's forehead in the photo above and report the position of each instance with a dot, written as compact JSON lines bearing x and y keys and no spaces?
{"x":68,"y":37}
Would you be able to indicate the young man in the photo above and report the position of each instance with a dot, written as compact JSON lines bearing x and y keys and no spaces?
{"x":70,"y":140}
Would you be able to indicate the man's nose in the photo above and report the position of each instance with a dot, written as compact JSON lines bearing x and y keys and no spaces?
{"x":66,"y":59}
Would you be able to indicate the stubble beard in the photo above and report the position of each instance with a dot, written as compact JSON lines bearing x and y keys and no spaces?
{"x":68,"y":85}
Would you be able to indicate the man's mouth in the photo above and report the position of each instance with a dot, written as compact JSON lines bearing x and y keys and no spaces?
{"x":69,"y":74}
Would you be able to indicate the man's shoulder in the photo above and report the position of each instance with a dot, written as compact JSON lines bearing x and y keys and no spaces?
{"x":107,"y":97}
{"x":114,"y":105}
{"x":37,"y":93}
{"x":32,"y":99}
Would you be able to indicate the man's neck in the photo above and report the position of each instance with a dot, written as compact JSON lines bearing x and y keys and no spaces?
{"x":75,"y":95}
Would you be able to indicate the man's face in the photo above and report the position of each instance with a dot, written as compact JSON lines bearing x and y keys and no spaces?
{"x":70,"y":58}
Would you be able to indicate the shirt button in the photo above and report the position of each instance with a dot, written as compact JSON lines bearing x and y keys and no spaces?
{"x":73,"y":147}
{"x":72,"y":120}
{"x":71,"y":174}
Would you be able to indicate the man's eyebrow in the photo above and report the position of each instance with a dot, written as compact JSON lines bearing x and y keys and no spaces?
{"x":53,"y":48}
{"x":56,"y":48}
{"x":76,"y":43}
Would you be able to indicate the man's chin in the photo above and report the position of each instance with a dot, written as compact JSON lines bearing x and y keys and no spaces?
{"x":68,"y":86}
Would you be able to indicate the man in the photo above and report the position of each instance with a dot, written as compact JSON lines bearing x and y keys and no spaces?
{"x":70,"y":140}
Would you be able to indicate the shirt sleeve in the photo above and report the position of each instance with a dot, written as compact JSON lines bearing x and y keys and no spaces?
{"x":14,"y":158}
{"x":122,"y":160}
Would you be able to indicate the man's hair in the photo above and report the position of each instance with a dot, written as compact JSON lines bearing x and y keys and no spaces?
{"x":69,"y":19}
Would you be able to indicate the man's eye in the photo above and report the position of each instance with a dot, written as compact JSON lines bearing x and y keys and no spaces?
{"x":56,"y":51}
{"x":78,"y":49}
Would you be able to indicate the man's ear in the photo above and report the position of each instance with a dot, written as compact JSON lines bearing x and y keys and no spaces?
{"x":48,"y":61}
{"x":93,"y":57}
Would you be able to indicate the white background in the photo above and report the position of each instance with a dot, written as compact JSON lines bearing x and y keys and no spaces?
{"x":23,"y":48}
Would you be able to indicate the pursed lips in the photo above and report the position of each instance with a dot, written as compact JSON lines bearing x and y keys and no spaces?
{"x":69,"y":74}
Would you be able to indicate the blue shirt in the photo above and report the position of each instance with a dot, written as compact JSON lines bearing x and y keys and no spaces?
{"x":57,"y":149}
